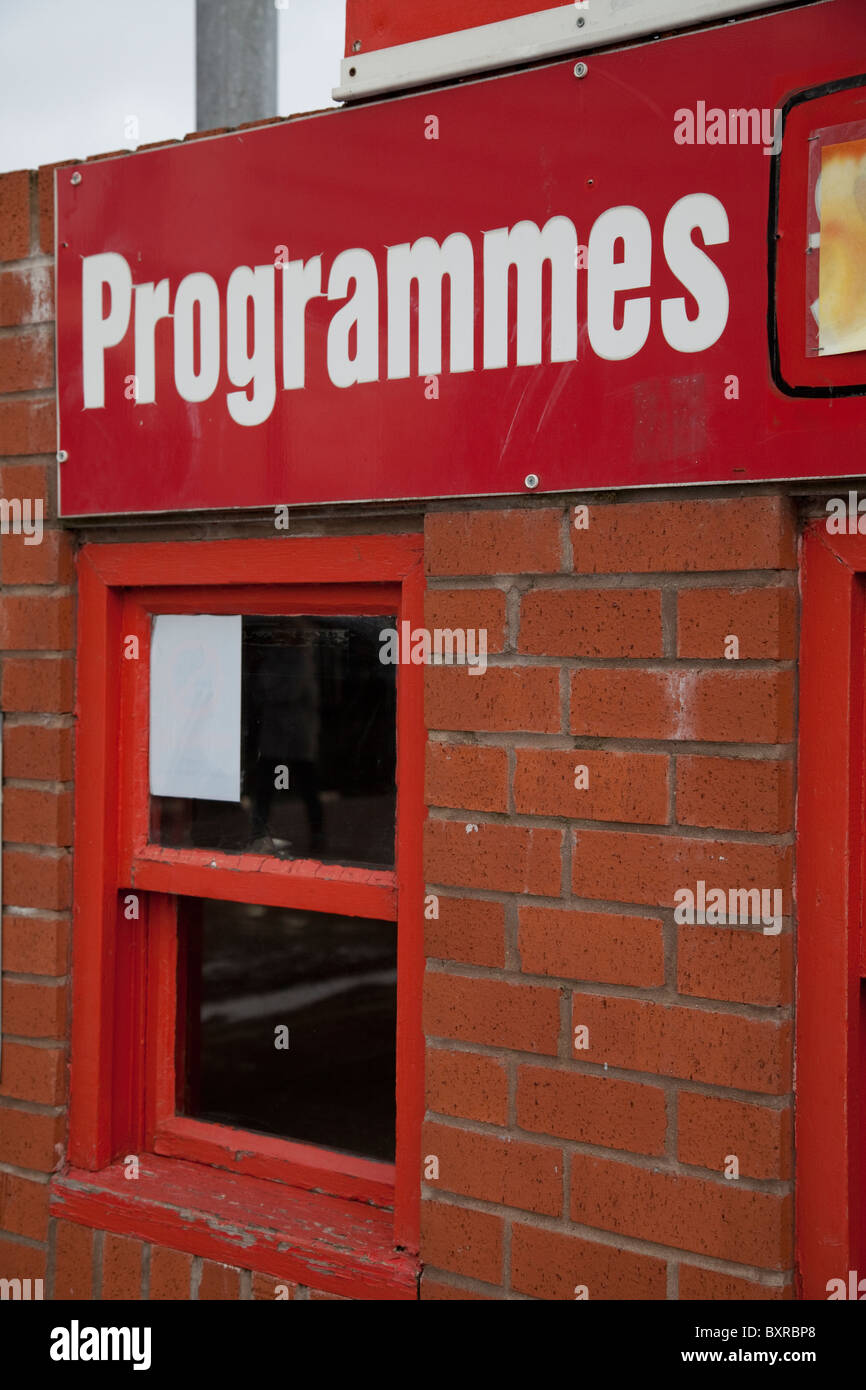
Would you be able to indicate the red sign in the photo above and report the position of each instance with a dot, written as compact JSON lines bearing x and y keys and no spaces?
{"x":544,"y":281}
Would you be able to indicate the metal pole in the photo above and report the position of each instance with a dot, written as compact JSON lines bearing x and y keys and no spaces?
{"x":236,"y":62}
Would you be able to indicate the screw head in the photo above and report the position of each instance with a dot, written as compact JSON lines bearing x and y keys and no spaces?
{"x":76,"y":178}
{"x":531,"y":480}
{"x":580,"y":69}
{"x":62,"y":456}
{"x":581,"y":22}
{"x":356,"y":46}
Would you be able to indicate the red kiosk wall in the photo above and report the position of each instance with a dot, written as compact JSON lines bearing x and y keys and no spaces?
{"x":383,"y":23}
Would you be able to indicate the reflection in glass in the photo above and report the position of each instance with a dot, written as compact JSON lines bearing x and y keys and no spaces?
{"x":253,"y":979}
{"x":318,"y":749}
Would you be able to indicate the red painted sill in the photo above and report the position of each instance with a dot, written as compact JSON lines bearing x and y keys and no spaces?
{"x":328,"y":1243}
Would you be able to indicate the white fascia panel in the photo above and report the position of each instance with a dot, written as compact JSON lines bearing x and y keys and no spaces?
{"x":526,"y":39}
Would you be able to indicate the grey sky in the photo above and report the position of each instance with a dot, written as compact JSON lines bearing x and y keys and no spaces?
{"x":77,"y":75}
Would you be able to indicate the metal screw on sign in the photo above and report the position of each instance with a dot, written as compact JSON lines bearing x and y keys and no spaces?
{"x":531,"y":480}
{"x":580,"y":69}
{"x":76,"y":178}
{"x":62,"y":456}
{"x":581,"y":22}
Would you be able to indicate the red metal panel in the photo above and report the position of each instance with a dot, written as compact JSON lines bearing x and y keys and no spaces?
{"x":383,"y":23}
{"x":830,"y":808}
{"x":94,"y":917}
{"x":525,"y":147}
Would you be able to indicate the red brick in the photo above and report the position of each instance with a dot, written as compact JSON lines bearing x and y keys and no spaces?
{"x":34,"y":1011}
{"x":468,"y":1085}
{"x":35,"y":945}
{"x":50,"y":562}
{"x":19,"y":1261}
{"x":462,"y":1241}
{"x":711,"y":1127}
{"x":501,"y":700}
{"x":592,"y":1109}
{"x":719,"y":1049}
{"x":27,"y":360}
{"x":320,"y":1296}
{"x":37,"y":880}
{"x":735,"y":793}
{"x":633,"y":867}
{"x":591,"y":622}
{"x":698,"y":1283}
{"x":30,"y":1139}
{"x":492,"y":1013}
{"x":28,"y":427}
{"x":32,"y":1073}
{"x":743,"y":533}
{"x":43,"y":684}
{"x":503,"y":858}
{"x":121,"y":1267}
{"x":73,"y":1261}
{"x":37,"y":753}
{"x":27,"y":480}
{"x":705,"y":1216}
{"x":219,"y":1281}
{"x":265,"y":1286}
{"x":14,"y":215}
{"x":763,"y":620}
{"x":596,"y":946}
{"x":32,"y":817}
{"x":712,"y":706}
{"x":629,"y":787}
{"x":469,"y":930}
{"x":551,"y":1265}
{"x":26,"y":295}
{"x":206,"y":134}
{"x":743,"y":967}
{"x":436,"y":1289}
{"x":35,"y":623}
{"x":23,"y":1206}
{"x":460,"y":775}
{"x":468,"y":609}
{"x":521,"y":541}
{"x":509,"y":1171}
{"x":170,"y":1272}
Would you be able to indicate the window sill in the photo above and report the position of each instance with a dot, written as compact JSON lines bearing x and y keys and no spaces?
{"x":329,"y":1243}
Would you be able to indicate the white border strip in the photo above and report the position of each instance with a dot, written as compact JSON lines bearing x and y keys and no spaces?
{"x":525,"y":39}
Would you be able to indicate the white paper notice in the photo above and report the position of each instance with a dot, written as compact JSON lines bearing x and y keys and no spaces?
{"x":195,"y":707}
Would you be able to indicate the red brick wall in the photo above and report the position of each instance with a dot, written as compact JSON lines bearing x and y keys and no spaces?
{"x":557,"y":1168}
{"x":36,"y":639}
{"x":604,"y":1167}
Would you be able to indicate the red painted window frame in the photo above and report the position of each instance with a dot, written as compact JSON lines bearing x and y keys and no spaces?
{"x":831,"y":945}
{"x":118,"y":1094}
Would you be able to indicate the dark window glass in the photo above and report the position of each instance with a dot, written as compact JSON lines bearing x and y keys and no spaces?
{"x":317,"y":702}
{"x":256,"y":978}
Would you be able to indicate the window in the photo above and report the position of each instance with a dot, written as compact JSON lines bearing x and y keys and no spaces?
{"x":247,"y":970}
{"x":817,"y":308}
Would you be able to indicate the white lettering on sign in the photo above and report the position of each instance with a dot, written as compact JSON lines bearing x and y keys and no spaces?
{"x":618,"y":262}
